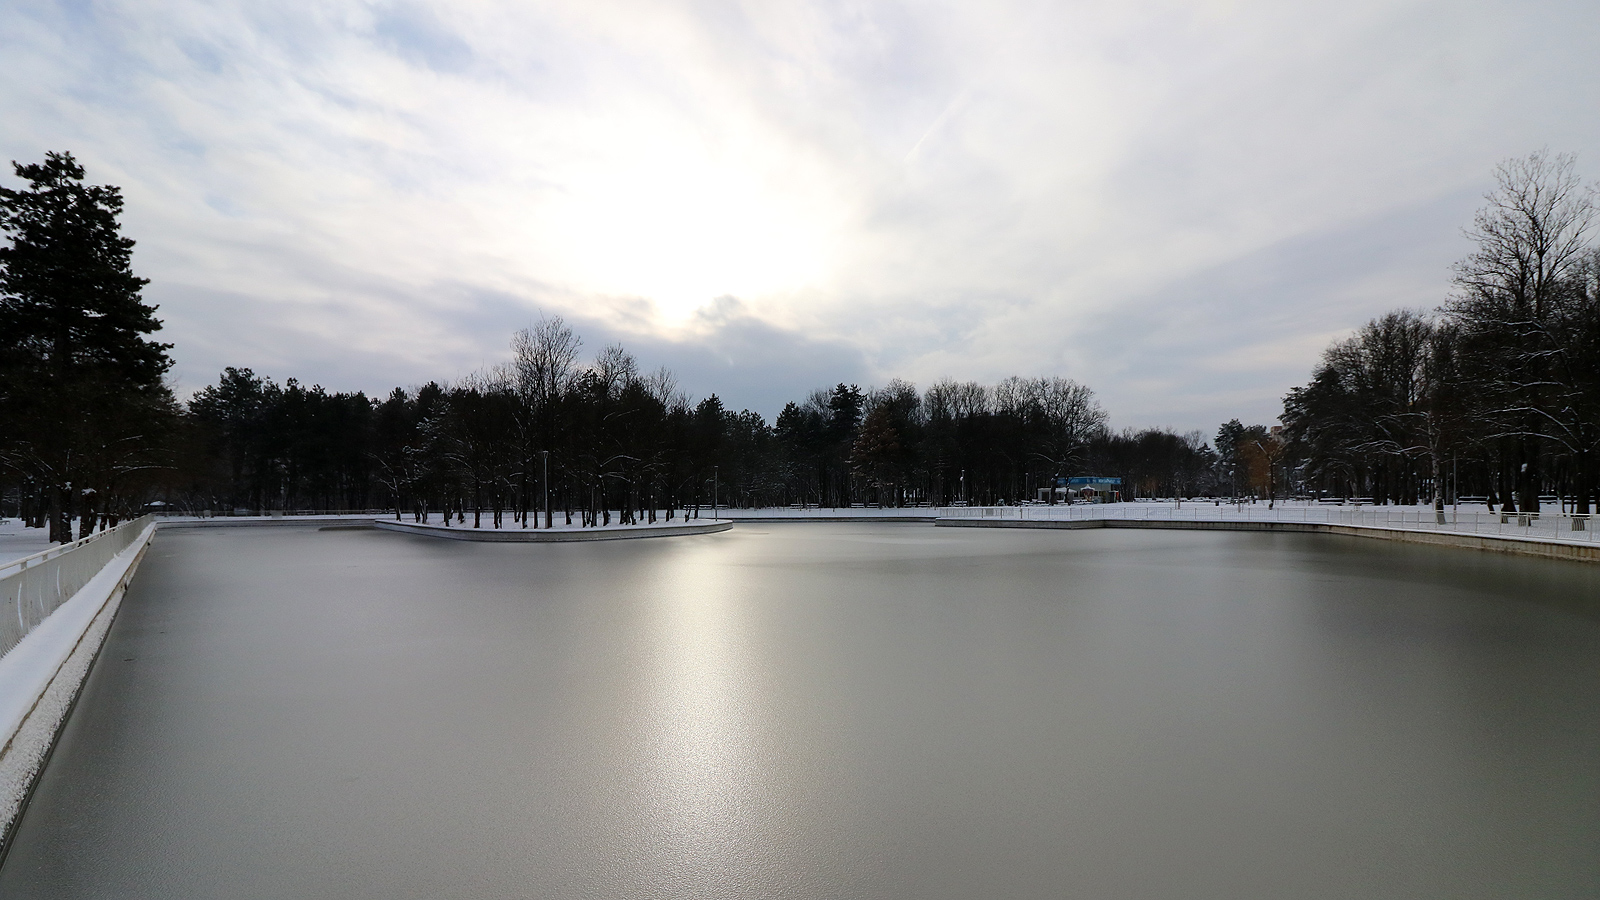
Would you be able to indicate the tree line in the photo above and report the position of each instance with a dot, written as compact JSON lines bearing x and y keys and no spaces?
{"x":1495,"y":394}
{"x":549,"y":434}
{"x":91,"y":432}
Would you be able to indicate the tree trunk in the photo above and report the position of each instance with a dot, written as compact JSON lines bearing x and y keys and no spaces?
{"x":1508,"y":487}
{"x":58,"y":517}
{"x":1528,"y":476}
{"x":1582,"y":482}
{"x":1438,"y":490}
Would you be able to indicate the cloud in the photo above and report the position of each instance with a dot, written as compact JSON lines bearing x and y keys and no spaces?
{"x":718,"y":356}
{"x":418,"y":37}
{"x":1170,"y":201}
{"x":1225,"y":341}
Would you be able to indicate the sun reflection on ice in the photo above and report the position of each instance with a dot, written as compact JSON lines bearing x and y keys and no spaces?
{"x":703,"y":759}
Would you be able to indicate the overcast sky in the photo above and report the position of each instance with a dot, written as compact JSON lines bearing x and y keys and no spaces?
{"x":1179,"y":204}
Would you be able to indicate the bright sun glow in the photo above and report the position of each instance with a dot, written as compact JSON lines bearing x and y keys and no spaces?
{"x":674,"y":222}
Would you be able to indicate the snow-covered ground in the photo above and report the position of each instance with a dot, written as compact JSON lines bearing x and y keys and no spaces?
{"x":224,"y":521}
{"x":828,"y":512}
{"x":558,"y":525}
{"x":769,"y":512}
{"x":1548,"y":525}
{"x":679,"y":516}
{"x":17,"y":541}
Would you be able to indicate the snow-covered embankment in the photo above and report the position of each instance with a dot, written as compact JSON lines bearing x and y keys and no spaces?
{"x":54,"y":631}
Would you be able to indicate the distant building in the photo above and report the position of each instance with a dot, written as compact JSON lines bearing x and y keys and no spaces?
{"x":1085,"y":489}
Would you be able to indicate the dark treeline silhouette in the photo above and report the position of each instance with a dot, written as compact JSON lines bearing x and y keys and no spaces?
{"x":605,"y":439}
{"x":1494,"y":395}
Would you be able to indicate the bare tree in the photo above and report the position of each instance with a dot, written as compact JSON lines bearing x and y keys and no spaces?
{"x":544,"y":366}
{"x":1532,"y":236}
{"x":1066,"y":414}
{"x":615,"y":368}
{"x":1577,"y":364}
{"x":663,"y":386}
{"x":1441,"y":415}
{"x":545,"y":359}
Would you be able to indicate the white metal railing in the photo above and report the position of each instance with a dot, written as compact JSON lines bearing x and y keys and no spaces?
{"x":33,"y":587}
{"x":1546,"y":526}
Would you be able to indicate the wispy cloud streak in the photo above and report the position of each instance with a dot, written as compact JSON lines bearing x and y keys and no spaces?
{"x":1175,"y":202}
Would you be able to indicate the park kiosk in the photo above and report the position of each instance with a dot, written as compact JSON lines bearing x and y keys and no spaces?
{"x":1085,"y":489}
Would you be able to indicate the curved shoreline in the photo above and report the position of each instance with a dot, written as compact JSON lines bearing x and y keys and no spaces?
{"x":554,"y":535}
{"x":1491,"y":543}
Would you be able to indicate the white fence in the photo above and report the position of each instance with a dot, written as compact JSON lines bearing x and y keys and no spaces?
{"x":1547,"y":526}
{"x":33,"y":587}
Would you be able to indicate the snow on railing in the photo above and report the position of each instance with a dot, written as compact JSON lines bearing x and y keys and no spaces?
{"x":1558,"y":526}
{"x":33,"y":587}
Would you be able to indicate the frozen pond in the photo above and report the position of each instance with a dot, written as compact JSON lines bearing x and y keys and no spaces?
{"x":830,"y":711}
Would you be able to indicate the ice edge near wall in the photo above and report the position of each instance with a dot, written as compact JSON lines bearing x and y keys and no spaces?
{"x":46,"y":671}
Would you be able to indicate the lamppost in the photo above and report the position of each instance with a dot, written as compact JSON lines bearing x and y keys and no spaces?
{"x":546,"y":455}
{"x":963,"y":487}
{"x":714,"y":477}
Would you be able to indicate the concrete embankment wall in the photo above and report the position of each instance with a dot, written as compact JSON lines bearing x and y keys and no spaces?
{"x":41,"y":676}
{"x":1493,"y":543}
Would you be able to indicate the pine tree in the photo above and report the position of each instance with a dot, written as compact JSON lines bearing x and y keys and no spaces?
{"x":81,"y":390}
